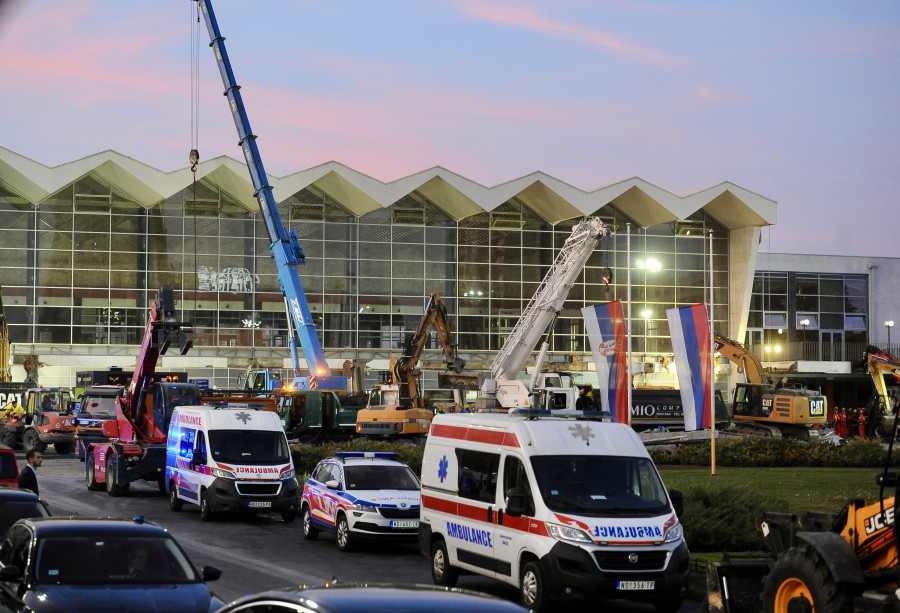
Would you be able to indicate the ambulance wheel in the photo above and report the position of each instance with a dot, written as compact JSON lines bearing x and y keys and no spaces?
{"x":442,"y":573}
{"x":175,"y":503}
{"x":532,"y":592}
{"x":89,"y":477}
{"x":310,"y":532}
{"x":33,"y":441}
{"x":113,"y":487}
{"x":64,"y":448}
{"x":206,"y":513}
{"x":342,"y":538}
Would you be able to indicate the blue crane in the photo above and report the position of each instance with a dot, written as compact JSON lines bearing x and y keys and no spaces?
{"x":285,"y":247}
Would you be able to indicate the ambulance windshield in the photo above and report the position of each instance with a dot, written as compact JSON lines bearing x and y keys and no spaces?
{"x":249,"y":446}
{"x":596,"y":485}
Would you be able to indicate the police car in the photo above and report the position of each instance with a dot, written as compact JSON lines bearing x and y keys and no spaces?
{"x":361,"y":495}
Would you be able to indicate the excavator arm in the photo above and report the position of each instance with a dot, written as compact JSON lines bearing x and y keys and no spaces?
{"x":878,"y":364}
{"x":405,"y":370}
{"x":746,"y":361}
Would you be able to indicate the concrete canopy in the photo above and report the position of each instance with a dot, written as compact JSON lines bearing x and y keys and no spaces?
{"x":552,"y":199}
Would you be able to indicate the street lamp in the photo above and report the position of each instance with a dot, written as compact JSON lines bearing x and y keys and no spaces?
{"x":803,"y":323}
{"x":889,"y":325}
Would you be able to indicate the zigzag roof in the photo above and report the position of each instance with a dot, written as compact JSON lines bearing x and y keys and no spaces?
{"x":554,"y":200}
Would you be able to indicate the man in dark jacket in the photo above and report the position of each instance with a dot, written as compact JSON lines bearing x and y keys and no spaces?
{"x":28,"y":476}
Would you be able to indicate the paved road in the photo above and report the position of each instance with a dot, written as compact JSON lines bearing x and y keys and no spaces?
{"x":260,"y":552}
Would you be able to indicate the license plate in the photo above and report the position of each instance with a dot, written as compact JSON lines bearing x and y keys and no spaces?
{"x":412,"y":523}
{"x":260,"y":505}
{"x":634,"y":585}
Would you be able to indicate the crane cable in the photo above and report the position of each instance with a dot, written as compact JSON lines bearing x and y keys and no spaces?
{"x":194,"y":156}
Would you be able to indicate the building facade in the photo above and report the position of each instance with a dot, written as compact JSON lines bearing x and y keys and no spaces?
{"x":88,"y":244}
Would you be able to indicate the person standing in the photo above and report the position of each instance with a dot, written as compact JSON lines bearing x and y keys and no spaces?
{"x":28,"y":476}
{"x":862,"y":423}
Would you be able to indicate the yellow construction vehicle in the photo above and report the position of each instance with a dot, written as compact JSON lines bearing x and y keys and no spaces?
{"x":759,"y":408}
{"x":398,"y":409}
{"x":819,"y":563}
{"x":5,"y":374}
{"x":883,"y":409}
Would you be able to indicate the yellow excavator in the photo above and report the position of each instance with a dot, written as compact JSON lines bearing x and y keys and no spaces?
{"x":883,"y":409}
{"x":397,"y":408}
{"x":761,"y":409}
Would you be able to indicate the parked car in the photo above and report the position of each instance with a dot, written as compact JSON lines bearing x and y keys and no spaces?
{"x":361,"y":495}
{"x":9,"y":468}
{"x":92,"y":564}
{"x":371,"y":598}
{"x":16,"y":504}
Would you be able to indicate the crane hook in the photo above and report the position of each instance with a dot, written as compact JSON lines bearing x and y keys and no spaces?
{"x":194,"y":159}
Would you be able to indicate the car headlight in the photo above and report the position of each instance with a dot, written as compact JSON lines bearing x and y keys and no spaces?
{"x":568,"y":533}
{"x":288,"y":474}
{"x":674,"y":533}
{"x":364,"y":508}
{"x":222,"y":474}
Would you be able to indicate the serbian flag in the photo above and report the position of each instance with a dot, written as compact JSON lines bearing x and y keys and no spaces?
{"x":689,"y":327}
{"x":605,"y":325}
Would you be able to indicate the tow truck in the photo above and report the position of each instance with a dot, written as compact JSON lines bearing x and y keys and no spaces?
{"x":504,"y":390}
{"x":399,"y":409}
{"x":285,"y":247}
{"x":758,"y":408}
{"x":136,"y":445}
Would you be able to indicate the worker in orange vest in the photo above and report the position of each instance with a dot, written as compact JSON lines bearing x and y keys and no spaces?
{"x":862,"y":423}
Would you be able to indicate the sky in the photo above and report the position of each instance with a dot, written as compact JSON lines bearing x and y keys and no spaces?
{"x":797,"y":101}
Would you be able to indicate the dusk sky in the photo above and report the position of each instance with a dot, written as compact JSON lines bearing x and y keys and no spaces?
{"x":797,"y":101}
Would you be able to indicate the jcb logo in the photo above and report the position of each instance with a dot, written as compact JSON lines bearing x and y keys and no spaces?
{"x":882,"y":520}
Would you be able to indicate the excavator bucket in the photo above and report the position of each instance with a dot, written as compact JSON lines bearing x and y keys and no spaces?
{"x":464,"y":380}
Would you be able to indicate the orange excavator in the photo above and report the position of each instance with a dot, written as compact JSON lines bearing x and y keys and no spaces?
{"x":761,"y":409}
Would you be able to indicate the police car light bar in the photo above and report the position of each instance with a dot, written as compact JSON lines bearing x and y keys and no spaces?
{"x":385,"y":455}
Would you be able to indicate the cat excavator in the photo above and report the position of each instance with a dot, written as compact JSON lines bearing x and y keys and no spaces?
{"x":758,"y":408}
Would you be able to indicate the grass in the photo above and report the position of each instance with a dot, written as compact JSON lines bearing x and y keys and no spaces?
{"x":804,"y":489}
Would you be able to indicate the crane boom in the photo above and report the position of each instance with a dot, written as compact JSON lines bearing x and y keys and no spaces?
{"x":285,"y":247}
{"x":548,"y":299}
{"x":504,"y":388}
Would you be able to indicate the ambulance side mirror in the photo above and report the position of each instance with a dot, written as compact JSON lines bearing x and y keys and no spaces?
{"x":296,"y":458}
{"x":677,"y":501}
{"x":197,"y":457}
{"x":517,"y":502}
{"x":334,"y":484}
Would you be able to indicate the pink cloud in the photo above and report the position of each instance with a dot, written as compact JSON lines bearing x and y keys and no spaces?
{"x":531,"y":19}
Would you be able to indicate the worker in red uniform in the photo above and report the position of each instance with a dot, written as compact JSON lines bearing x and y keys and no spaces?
{"x":862,"y":423}
{"x":839,"y":422}
{"x":845,"y":431}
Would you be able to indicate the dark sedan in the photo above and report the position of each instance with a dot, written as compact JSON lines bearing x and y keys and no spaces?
{"x":82,"y":564}
{"x":371,"y":598}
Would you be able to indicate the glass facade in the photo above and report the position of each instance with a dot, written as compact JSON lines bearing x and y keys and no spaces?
{"x":812,"y":316}
{"x":81,"y":267}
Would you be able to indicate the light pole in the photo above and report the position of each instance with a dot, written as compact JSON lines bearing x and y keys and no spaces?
{"x":889,"y":324}
{"x":803,"y":323}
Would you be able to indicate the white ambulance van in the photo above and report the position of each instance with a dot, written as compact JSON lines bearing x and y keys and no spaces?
{"x":562,"y":508}
{"x":230,"y":458}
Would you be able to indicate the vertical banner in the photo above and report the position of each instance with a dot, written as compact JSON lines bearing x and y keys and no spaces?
{"x":689,"y":327}
{"x":605,"y":326}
